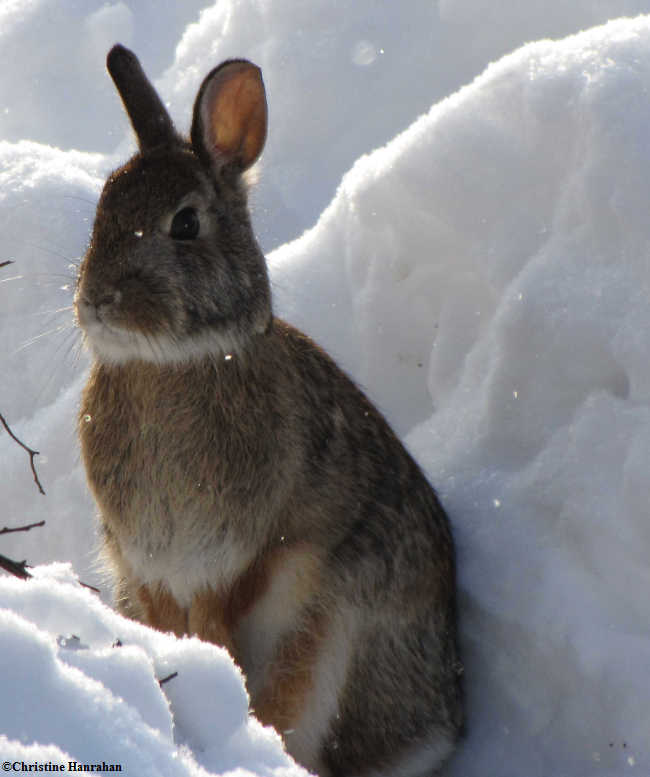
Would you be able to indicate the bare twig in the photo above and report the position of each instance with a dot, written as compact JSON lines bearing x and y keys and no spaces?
{"x":29,"y":526}
{"x":167,"y":679}
{"x":4,"y":264}
{"x":92,"y":587}
{"x":29,"y":450}
{"x":16,"y":568}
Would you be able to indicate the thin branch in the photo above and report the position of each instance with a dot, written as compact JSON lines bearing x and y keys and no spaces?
{"x":29,"y":450}
{"x":19,"y":569}
{"x":16,"y":568}
{"x":92,"y":587}
{"x":4,"y":264}
{"x":167,"y":679}
{"x":7,"y":530}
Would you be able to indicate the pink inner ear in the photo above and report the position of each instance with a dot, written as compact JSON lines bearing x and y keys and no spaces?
{"x":234,"y":113}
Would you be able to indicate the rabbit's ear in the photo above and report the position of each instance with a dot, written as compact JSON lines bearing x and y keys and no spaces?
{"x":230,"y":115}
{"x":148,"y":115}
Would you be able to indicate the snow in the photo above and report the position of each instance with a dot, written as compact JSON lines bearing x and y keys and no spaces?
{"x":483,"y":274}
{"x":100,"y":701}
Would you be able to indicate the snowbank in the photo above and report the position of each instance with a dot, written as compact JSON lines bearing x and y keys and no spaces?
{"x":79,"y":675}
{"x":493,"y":261}
{"x":343,"y":77}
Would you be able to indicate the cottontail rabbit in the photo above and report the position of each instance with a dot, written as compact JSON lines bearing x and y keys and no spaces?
{"x":249,"y":493}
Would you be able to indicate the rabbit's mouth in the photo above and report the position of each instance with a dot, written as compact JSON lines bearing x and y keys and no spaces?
{"x":109,"y":341}
{"x":94,"y":317}
{"x":113,"y":343}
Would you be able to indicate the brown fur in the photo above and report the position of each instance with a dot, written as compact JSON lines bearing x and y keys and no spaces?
{"x":214,"y":618}
{"x":161,"y":610}
{"x":291,"y":678}
{"x":206,"y":619}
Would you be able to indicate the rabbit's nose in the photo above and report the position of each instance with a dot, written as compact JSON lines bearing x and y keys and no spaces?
{"x":98,"y":300}
{"x":107,"y":299}
{"x":104,"y":298}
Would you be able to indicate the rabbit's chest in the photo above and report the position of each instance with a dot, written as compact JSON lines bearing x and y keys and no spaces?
{"x":173,"y":525}
{"x":150,"y":465}
{"x":183,"y":560}
{"x":180,"y":442}
{"x":165,"y":490}
{"x":157,"y":449}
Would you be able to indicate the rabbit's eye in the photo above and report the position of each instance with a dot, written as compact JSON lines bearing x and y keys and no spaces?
{"x":185,"y":224}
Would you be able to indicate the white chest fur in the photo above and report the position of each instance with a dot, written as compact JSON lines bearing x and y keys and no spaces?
{"x":190,"y":556}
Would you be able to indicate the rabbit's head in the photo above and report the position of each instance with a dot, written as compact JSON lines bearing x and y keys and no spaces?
{"x":173,"y":271}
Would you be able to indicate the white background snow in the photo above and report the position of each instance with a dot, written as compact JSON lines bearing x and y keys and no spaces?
{"x":484,"y":275}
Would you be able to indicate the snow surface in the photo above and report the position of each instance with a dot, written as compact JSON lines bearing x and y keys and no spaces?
{"x":485,"y":276}
{"x":100,"y":701}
